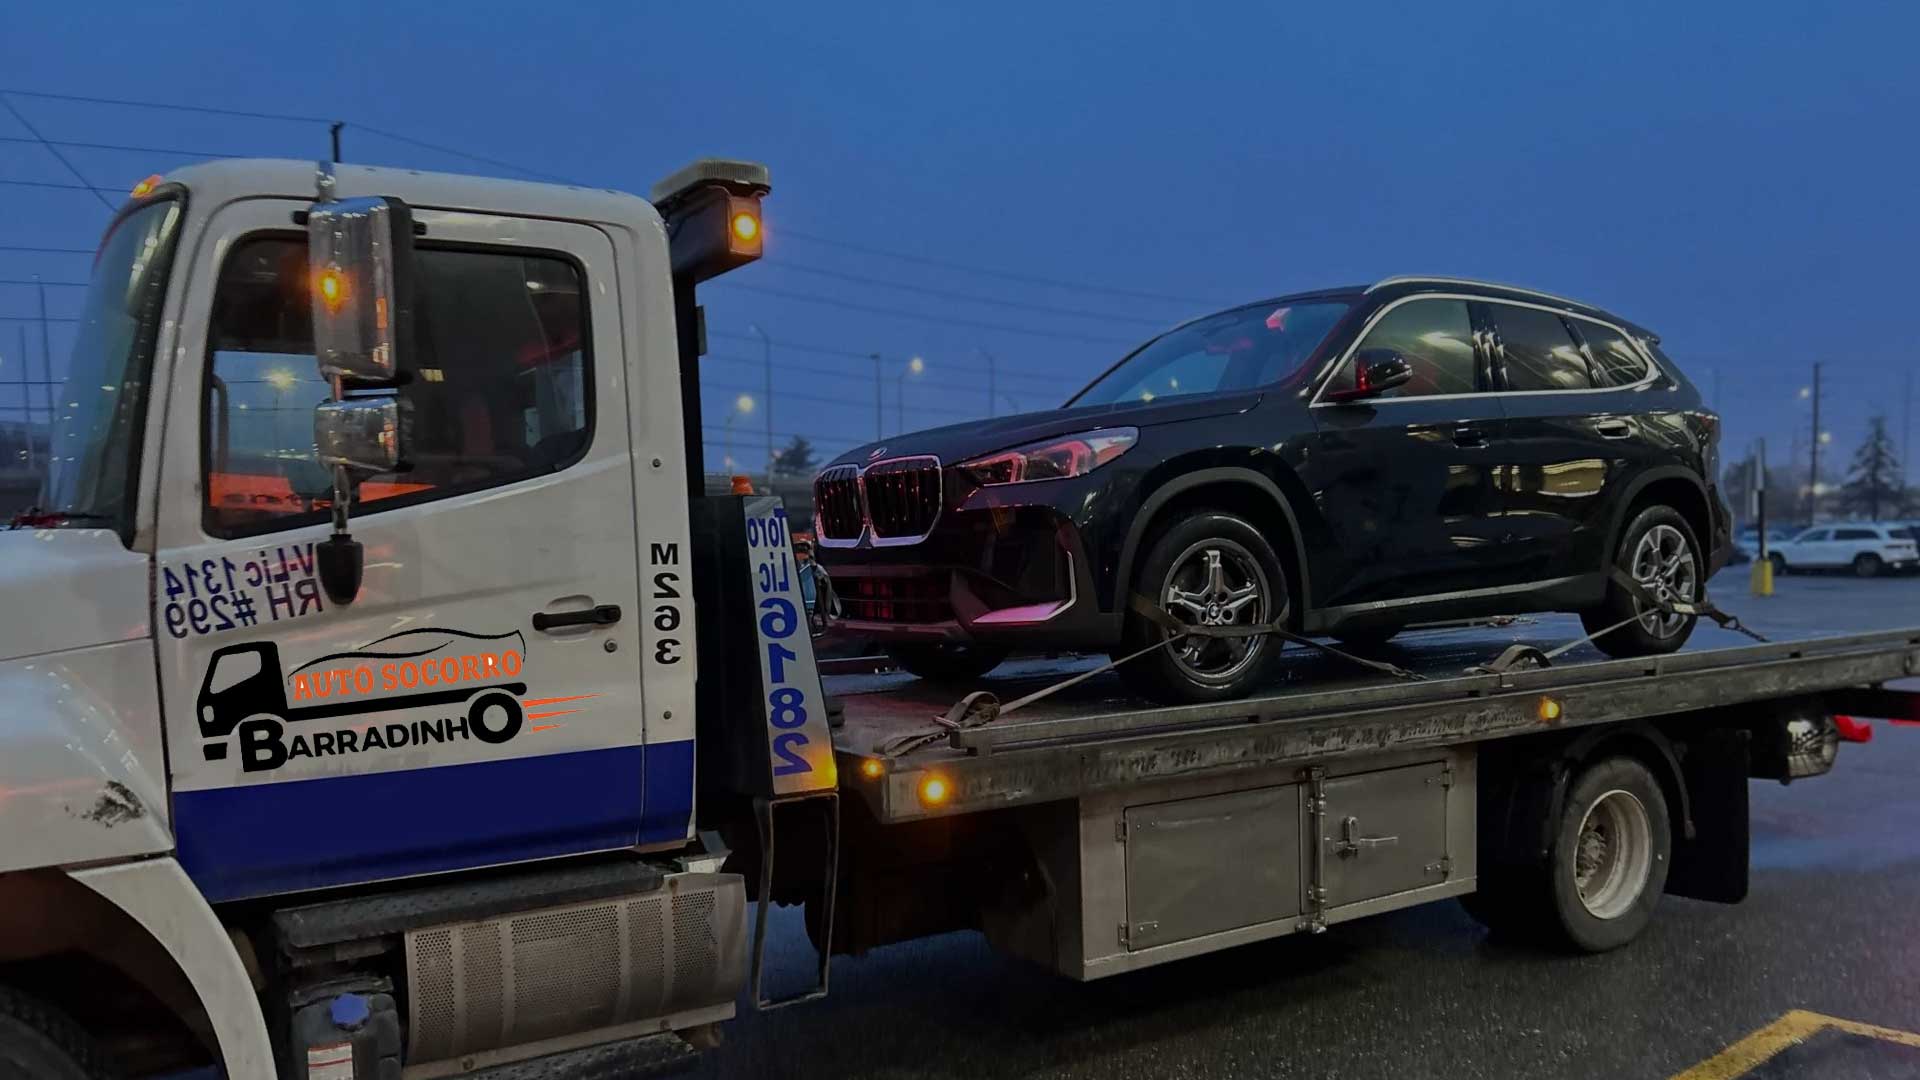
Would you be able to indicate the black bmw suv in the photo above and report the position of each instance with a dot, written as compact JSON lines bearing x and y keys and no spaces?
{"x":1346,"y":462}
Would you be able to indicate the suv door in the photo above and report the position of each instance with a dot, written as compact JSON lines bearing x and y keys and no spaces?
{"x":1575,"y":437}
{"x":428,"y":725}
{"x":1405,"y":479}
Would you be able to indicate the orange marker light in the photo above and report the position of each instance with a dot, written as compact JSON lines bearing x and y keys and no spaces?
{"x":871,"y":768}
{"x":145,"y":187}
{"x":1549,"y":710}
{"x":934,"y":790}
{"x":746,"y":227}
{"x":331,"y":284}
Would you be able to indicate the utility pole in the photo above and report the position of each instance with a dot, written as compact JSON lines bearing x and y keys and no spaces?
{"x":1906,"y":435}
{"x":1813,"y":481}
{"x":766,"y":397}
{"x":992,"y":373}
{"x":878,"y":405}
{"x":46,"y":360}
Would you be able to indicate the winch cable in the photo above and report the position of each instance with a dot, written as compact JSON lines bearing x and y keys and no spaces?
{"x":1521,"y":657}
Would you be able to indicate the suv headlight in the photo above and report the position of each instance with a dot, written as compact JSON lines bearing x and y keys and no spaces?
{"x":1051,"y":459}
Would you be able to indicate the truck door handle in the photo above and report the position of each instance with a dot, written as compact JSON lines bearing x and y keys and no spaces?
{"x":1352,"y":843}
{"x":1613,"y":429}
{"x":1470,"y":437}
{"x":604,"y":615}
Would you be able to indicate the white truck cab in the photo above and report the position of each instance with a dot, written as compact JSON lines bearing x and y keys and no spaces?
{"x":365,"y":556}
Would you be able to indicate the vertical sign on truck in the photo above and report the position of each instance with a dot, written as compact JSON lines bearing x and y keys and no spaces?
{"x":799,"y":748}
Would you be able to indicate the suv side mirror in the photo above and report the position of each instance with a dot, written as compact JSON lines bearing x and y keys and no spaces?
{"x":1375,"y":371}
{"x":360,"y":255}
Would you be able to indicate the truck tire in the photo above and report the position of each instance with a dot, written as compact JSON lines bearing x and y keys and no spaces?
{"x":946,"y":661}
{"x":1612,"y":846}
{"x":38,"y":1042}
{"x":1779,"y":564}
{"x":1205,"y":567}
{"x":1659,"y":550}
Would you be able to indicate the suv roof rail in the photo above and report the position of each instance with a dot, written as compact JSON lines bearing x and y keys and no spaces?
{"x":1441,"y":279}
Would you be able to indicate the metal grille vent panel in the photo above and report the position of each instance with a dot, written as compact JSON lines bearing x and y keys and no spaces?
{"x":542,"y":974}
{"x":836,"y":502}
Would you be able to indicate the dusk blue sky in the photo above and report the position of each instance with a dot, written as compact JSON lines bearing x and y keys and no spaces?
{"x":1740,"y":177}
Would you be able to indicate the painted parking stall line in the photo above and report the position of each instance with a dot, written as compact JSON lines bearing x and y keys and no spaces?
{"x":1806,"y":1045}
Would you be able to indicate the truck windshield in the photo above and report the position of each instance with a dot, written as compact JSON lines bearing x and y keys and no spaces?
{"x":94,"y":443}
{"x":1233,"y":350}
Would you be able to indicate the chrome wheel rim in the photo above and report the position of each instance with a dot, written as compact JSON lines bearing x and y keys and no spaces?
{"x":1216,"y":583}
{"x":1613,"y":855}
{"x":1664,"y":565}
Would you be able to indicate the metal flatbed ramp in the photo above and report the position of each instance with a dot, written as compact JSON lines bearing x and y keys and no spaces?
{"x":1096,"y":738}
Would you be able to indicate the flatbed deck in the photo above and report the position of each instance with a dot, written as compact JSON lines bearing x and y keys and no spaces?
{"x":1096,"y":737}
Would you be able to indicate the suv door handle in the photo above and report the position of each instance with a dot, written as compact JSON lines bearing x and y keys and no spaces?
{"x":1613,"y":429}
{"x":604,"y":615}
{"x":1470,"y":437}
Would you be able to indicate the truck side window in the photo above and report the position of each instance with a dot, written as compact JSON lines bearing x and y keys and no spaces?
{"x":498,"y":383}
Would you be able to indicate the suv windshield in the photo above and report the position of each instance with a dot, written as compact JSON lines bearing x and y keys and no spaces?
{"x":93,"y":450}
{"x":1233,"y":350}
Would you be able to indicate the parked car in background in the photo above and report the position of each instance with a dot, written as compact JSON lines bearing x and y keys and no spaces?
{"x":1345,"y":462}
{"x":1866,"y":548}
{"x":1746,"y":543}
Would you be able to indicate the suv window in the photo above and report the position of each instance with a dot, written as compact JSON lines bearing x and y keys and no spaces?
{"x":1539,"y":351}
{"x":1435,"y":337}
{"x":1857,"y":534}
{"x":498,"y":383}
{"x":1812,"y":536}
{"x":1615,"y":361}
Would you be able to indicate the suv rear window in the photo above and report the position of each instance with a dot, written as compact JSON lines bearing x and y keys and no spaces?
{"x":1540,"y":352}
{"x":1615,"y":361}
{"x":1857,"y":534}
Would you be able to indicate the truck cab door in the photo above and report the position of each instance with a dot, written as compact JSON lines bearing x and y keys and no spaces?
{"x":445,"y":718}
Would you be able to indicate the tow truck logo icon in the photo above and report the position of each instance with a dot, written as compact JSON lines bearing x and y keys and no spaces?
{"x":245,"y":694}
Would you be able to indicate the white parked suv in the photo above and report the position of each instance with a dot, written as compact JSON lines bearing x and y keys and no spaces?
{"x":1866,"y":548}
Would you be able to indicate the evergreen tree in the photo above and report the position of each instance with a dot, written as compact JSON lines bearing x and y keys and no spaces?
{"x":1873,"y":483}
{"x":795,"y":459}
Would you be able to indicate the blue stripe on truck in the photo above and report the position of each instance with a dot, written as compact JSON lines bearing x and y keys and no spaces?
{"x":262,"y":839}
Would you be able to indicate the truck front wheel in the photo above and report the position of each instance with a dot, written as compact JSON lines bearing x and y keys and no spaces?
{"x":39,"y":1041}
{"x":1612,"y":845}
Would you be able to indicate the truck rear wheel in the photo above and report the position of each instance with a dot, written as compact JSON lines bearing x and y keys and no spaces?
{"x":1612,"y":845}
{"x":38,"y":1042}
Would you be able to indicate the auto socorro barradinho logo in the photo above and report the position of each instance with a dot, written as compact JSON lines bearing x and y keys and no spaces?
{"x":476,"y":682}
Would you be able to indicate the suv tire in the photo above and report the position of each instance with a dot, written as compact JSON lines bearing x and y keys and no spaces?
{"x":954,"y":662}
{"x":1659,"y":550}
{"x":40,"y":1041}
{"x":1204,"y":567}
{"x":1867,"y":564}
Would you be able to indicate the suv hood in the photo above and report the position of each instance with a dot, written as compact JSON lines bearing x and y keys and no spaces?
{"x":976,"y":438}
{"x":67,"y":589}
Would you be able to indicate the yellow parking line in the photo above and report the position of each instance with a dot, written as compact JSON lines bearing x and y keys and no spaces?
{"x":1792,"y":1028}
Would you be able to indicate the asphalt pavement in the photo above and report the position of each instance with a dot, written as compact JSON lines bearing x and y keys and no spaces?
{"x":1821,"y":959}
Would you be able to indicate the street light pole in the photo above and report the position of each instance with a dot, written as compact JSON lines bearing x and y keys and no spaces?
{"x":1813,"y":481}
{"x":914,"y":367}
{"x":878,"y":388}
{"x":766,"y":391}
{"x":992,"y":373}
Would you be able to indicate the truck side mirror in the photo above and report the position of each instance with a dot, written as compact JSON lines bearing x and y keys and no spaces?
{"x":360,"y":256}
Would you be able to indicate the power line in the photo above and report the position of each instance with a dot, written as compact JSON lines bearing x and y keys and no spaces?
{"x":897,"y":313}
{"x":56,"y":185}
{"x":1078,"y":313}
{"x":988,"y":272}
{"x":71,"y":145}
{"x":46,"y":250}
{"x":164,"y":106}
{"x":36,"y":318}
{"x":825,"y":399}
{"x":36,"y":281}
{"x":495,"y":162}
{"x":55,"y":151}
{"x":867,"y":357}
{"x":842,"y":373}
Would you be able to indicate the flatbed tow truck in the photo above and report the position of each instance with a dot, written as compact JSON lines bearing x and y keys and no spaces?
{"x":473,"y":740}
